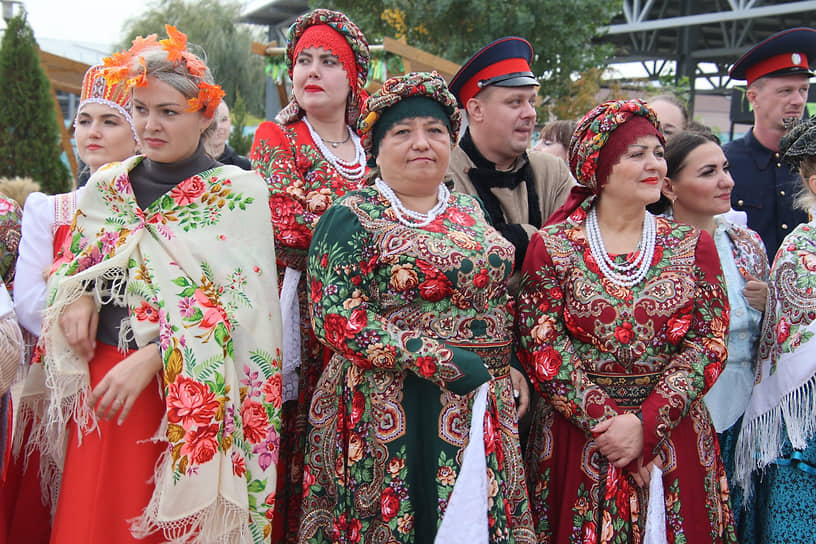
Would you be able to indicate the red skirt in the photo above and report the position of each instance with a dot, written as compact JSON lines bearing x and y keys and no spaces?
{"x":107,"y":479}
{"x":575,"y":500}
{"x":23,"y":516}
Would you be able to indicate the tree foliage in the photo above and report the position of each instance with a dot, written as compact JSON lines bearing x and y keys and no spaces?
{"x":29,"y":133}
{"x":225,"y":45}
{"x":561,"y":32}
{"x":239,"y":141}
{"x":583,"y":95}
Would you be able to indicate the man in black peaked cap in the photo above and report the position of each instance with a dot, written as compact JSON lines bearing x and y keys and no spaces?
{"x":777,"y":71}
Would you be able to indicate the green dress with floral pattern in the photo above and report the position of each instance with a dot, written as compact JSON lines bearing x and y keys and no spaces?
{"x":418,"y":320}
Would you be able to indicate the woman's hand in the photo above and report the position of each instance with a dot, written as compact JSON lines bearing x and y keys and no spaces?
{"x":521,"y":392}
{"x":620,"y":438}
{"x":78,"y":322}
{"x":125,"y":382}
{"x":756,"y":293}
{"x":644,"y":474}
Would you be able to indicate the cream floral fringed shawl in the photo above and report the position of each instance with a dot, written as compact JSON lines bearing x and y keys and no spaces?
{"x":197,"y":270}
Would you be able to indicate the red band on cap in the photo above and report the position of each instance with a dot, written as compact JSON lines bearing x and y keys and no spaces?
{"x":506,"y":66}
{"x":777,"y":62}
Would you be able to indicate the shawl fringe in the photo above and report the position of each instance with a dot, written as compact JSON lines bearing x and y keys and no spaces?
{"x":50,"y":475}
{"x":224,"y":508}
{"x":222,"y":522}
{"x":761,"y":439}
{"x":18,"y":342}
{"x":50,"y":399}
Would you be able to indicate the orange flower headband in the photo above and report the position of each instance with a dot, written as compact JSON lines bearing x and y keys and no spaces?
{"x":119,"y":67}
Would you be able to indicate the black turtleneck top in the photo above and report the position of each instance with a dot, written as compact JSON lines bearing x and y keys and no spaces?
{"x":150,"y":180}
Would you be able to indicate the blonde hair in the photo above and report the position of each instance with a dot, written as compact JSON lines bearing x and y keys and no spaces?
{"x":176,"y":75}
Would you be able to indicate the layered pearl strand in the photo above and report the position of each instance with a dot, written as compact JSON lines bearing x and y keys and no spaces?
{"x":352,"y":171}
{"x":631,"y":272}
{"x":411,"y":218}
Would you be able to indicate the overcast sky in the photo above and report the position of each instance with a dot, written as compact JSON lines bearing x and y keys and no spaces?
{"x":98,"y":21}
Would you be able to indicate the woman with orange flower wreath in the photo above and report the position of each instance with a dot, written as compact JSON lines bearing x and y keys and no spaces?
{"x":310,"y":157}
{"x":160,"y":263}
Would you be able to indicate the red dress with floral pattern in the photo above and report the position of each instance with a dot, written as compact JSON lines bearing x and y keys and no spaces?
{"x":594,"y":349}
{"x":418,"y":321}
{"x":302,"y":185}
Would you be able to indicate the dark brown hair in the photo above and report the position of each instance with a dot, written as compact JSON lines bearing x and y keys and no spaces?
{"x":678,"y":147}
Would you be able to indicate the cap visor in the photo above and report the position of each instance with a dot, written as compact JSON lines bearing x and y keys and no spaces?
{"x":518,"y":81}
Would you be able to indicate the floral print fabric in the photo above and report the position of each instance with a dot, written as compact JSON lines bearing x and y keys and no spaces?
{"x":395,"y":90}
{"x":302,"y":185}
{"x":593,"y":350}
{"x":593,"y":132}
{"x":203,"y":283}
{"x":10,"y":217}
{"x":781,"y":411}
{"x":415,"y":317}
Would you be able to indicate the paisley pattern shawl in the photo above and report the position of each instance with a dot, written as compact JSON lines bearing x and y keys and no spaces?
{"x":193,"y":274}
{"x":593,"y":350}
{"x":784,"y":397}
{"x":414,"y":316}
{"x":748,"y":250}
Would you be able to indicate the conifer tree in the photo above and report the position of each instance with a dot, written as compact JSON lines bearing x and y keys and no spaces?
{"x":239,"y":141}
{"x":29,"y":134}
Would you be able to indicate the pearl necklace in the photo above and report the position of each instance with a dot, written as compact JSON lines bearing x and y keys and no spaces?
{"x":411,"y":218}
{"x":352,"y":171}
{"x":632,"y":272}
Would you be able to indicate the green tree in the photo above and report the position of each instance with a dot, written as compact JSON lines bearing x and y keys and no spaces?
{"x":583,"y":95}
{"x":561,"y":32}
{"x":239,"y":141}
{"x":209,"y":25}
{"x":29,"y":133}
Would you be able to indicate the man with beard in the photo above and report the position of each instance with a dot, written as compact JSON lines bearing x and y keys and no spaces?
{"x":777,"y":71}
{"x":520,"y":189}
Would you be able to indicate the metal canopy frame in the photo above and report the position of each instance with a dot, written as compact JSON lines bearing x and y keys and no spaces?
{"x":277,"y":15}
{"x":698,"y":39}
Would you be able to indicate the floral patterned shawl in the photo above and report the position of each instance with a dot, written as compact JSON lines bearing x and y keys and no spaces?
{"x":748,"y":250}
{"x":783,"y":403}
{"x":10,"y":216}
{"x":204,"y":283}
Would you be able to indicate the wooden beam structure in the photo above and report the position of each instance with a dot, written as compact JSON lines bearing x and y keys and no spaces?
{"x":65,"y":74}
{"x":413,"y":58}
{"x":420,"y":61}
{"x":65,"y":138}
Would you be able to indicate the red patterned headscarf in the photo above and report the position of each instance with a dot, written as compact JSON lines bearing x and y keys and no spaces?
{"x":334,"y":32}
{"x":329,"y":39}
{"x":614,"y":124}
